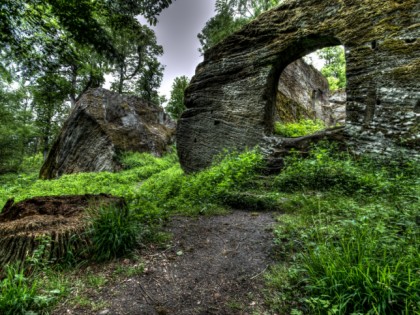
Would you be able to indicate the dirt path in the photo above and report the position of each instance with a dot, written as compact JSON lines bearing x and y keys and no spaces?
{"x":214,"y":266}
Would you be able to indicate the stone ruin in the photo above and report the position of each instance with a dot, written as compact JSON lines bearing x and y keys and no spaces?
{"x":231,"y":99}
{"x":102,"y":125}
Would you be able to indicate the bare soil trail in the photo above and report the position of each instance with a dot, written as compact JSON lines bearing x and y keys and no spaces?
{"x":214,"y":265}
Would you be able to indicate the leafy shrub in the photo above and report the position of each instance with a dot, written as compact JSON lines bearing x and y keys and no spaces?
{"x":131,"y":160}
{"x":202,"y":192}
{"x":301,"y":128}
{"x":231,"y":172}
{"x":19,"y":295}
{"x":358,"y":273}
{"x":113,"y":232}
{"x":324,"y":170}
{"x":32,"y":163}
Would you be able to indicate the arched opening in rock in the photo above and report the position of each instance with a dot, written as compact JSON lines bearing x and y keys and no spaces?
{"x":309,"y":92}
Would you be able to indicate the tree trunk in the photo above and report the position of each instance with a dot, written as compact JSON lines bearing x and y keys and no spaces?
{"x":73,"y":85}
{"x":53,"y":226}
{"x":121,"y":82}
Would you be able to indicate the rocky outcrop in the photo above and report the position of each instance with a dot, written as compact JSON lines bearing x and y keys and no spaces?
{"x":302,"y":92}
{"x":101,"y":125}
{"x":231,"y":99}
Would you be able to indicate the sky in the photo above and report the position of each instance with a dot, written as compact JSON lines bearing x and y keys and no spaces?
{"x":177,"y":31}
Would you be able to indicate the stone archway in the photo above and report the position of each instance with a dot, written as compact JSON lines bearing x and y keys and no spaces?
{"x":230,"y":99}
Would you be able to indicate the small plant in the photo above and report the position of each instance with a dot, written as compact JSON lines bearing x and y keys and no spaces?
{"x":301,"y":128}
{"x":130,"y":271}
{"x":19,"y":295}
{"x":96,"y":281}
{"x":39,"y":258}
{"x":113,"y":232}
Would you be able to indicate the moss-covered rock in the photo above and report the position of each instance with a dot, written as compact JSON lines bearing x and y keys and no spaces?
{"x":101,"y":125}
{"x":231,"y":99}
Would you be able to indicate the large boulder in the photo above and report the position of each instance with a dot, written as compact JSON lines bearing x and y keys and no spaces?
{"x":303,"y":92}
{"x":231,"y":99}
{"x":102,"y":125}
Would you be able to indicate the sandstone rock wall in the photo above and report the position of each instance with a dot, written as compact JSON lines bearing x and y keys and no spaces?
{"x":231,"y":99}
{"x":303,"y":92}
{"x":101,"y":125}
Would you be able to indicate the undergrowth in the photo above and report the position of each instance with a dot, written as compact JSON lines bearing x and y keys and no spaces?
{"x":300,"y":128}
{"x":350,"y":238}
{"x":154,"y":188}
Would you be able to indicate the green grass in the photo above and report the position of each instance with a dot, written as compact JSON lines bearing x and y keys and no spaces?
{"x":347,"y":243}
{"x":300,"y":128}
{"x":124,"y":184}
{"x":38,"y":292}
{"x":350,"y":242}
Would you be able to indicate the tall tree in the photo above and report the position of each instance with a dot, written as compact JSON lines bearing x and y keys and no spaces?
{"x":150,"y":80}
{"x":139,"y":50}
{"x":230,"y":16}
{"x":334,"y":68}
{"x":16,"y":126}
{"x":219,"y":27}
{"x":37,"y":25}
{"x":176,"y":104}
{"x":48,"y":95}
{"x":246,"y":8}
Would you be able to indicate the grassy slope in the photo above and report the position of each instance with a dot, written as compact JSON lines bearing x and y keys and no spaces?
{"x":348,"y":243}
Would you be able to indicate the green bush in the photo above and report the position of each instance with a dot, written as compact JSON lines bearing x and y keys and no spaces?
{"x":113,"y":232}
{"x":301,"y":128}
{"x":201,"y":192}
{"x":324,"y":170}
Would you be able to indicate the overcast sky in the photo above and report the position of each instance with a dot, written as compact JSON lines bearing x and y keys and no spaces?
{"x":177,"y":32}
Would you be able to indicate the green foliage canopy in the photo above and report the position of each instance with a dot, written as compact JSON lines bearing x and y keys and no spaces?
{"x":335,"y":66}
{"x":176,"y":104}
{"x":38,"y":24}
{"x":230,"y":16}
{"x":59,"y":49}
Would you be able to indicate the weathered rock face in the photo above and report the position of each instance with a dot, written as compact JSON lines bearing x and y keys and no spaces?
{"x":102,"y":124}
{"x":336,"y":108}
{"x":303,"y":92}
{"x":231,"y":99}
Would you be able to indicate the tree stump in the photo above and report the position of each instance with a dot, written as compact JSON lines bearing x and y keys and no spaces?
{"x":276,"y":148}
{"x":58,"y":222}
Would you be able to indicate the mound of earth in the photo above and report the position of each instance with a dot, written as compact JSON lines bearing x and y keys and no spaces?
{"x":52,"y":219}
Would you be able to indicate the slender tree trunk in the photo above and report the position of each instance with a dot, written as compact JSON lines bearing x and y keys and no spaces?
{"x":121,"y":83}
{"x":73,"y":85}
{"x":46,"y":146}
{"x":47,"y":133}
